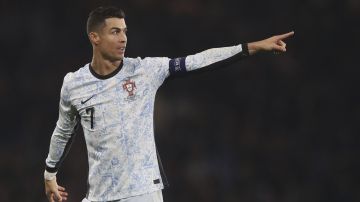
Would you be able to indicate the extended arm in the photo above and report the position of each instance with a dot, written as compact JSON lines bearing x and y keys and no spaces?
{"x":227,"y":54}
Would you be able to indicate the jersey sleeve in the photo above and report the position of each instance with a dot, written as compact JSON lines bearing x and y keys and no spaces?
{"x":157,"y":68}
{"x":61,"y":138}
{"x":179,"y":66}
{"x":162,"y":67}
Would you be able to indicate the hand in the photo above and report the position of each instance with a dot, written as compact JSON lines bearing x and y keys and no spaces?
{"x":54,"y":192}
{"x":274,"y":43}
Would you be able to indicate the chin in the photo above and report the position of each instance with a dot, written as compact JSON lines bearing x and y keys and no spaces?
{"x":120,"y":57}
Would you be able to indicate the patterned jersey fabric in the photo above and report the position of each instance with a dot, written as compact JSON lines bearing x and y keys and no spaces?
{"x":116,"y":114}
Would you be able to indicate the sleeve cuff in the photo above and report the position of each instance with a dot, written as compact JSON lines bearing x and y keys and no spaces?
{"x":51,"y":170}
{"x":245,"y":50}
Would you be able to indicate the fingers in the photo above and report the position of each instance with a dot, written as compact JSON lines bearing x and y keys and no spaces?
{"x":57,"y":196}
{"x":284,"y":36}
{"x":281,"y":43}
{"x":280,"y":46}
{"x":279,"y":49}
{"x":54,"y":192}
{"x":62,"y":192}
{"x":51,"y":197}
{"x":60,"y":188}
{"x":276,"y":43}
{"x":63,"y":195}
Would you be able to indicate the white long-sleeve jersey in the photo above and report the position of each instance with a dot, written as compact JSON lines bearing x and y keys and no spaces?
{"x":116,"y":114}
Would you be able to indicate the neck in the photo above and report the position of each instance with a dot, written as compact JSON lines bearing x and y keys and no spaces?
{"x":103,"y":66}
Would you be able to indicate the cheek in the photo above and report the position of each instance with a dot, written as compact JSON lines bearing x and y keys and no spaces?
{"x":107,"y":45}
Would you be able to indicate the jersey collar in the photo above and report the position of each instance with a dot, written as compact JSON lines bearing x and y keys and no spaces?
{"x":103,"y":77}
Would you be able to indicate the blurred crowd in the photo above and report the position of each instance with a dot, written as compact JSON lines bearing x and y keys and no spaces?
{"x":270,"y":128}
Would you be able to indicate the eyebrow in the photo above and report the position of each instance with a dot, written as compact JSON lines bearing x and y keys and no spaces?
{"x":117,"y":28}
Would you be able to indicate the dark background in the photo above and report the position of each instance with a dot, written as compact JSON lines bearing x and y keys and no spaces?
{"x":281,"y":128}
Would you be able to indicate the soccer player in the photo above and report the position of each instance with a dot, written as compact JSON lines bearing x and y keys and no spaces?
{"x":113,"y":98}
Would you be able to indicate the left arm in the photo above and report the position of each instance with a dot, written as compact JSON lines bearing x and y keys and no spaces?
{"x":208,"y":57}
{"x":233,"y":53}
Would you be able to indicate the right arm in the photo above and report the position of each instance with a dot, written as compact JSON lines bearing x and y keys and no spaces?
{"x":60,"y":144}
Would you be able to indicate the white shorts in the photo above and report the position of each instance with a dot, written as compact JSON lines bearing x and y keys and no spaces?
{"x":150,"y":197}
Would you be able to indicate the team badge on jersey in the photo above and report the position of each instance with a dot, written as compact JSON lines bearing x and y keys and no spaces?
{"x":130,"y":87}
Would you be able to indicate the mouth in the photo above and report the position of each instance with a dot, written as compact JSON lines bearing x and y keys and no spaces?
{"x":121,"y":49}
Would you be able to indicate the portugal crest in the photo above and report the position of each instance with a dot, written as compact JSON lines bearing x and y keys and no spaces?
{"x":129,"y":86}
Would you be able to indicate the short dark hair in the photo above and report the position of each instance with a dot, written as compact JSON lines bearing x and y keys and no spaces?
{"x":98,"y":16}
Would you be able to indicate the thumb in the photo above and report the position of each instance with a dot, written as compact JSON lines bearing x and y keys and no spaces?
{"x":57,"y":195}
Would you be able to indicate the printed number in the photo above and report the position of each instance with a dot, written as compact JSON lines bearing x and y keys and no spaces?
{"x":92,"y":111}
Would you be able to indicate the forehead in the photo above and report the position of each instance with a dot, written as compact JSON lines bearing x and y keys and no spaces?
{"x":114,"y":22}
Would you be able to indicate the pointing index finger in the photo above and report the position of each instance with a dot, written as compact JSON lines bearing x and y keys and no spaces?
{"x":284,"y":36}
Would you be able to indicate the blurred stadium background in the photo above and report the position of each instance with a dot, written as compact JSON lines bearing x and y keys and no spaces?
{"x":270,"y":128}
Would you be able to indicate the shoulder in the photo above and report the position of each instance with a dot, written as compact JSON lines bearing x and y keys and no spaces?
{"x":155,"y":61}
{"x":140,"y":60}
{"x":71,"y":78}
{"x":135,"y":63}
{"x":146,"y":63}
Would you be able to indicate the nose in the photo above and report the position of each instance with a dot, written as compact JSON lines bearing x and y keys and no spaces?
{"x":123,"y":37}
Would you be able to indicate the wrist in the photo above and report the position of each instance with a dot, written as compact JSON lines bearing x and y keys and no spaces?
{"x":253,"y":48}
{"x":49,"y":176}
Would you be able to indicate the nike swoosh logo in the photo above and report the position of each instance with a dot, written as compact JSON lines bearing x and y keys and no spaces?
{"x":84,"y":101}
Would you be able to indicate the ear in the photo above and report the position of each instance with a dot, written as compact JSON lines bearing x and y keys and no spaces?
{"x":94,"y":38}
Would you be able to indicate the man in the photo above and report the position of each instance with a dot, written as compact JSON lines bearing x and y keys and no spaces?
{"x":113,"y":99}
